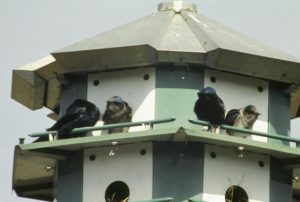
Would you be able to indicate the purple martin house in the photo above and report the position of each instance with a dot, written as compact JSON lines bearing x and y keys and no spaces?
{"x":158,"y":64}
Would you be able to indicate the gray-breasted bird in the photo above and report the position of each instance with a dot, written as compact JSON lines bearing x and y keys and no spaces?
{"x":81,"y":113}
{"x":117,"y":111}
{"x":210,"y":107}
{"x":242,"y":118}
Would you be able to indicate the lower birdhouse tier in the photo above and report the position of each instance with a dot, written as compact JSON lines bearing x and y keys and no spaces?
{"x":163,"y":164}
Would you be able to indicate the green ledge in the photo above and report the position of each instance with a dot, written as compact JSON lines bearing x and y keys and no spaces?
{"x":178,"y":134}
{"x":41,"y":158}
{"x":166,"y":199}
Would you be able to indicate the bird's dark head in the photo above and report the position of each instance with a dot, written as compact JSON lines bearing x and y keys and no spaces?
{"x":251,"y":110}
{"x":207,"y":91}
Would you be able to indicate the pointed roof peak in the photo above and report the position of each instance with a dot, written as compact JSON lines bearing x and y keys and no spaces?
{"x":177,"y":6}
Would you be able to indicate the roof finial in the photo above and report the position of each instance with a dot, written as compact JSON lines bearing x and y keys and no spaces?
{"x":177,"y":6}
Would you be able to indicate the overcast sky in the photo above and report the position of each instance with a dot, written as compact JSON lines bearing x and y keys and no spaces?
{"x":31,"y":29}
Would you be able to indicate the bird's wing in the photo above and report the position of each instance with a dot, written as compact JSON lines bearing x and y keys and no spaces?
{"x":82,"y":106}
{"x":128,"y":109}
{"x":77,"y":103}
{"x":221,"y":103}
{"x":62,"y":121}
{"x":76,"y":110}
{"x":231,"y":117}
{"x":199,"y":108}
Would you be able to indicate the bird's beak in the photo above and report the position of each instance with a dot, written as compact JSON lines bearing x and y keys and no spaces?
{"x":257,"y":113}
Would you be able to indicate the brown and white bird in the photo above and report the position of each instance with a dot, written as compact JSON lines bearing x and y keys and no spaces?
{"x":117,"y":111}
{"x":241,"y":118}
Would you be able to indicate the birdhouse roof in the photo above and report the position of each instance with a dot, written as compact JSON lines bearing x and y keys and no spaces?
{"x":177,"y":33}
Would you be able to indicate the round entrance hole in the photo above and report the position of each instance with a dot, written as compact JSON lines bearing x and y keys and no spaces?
{"x":96,"y":82}
{"x":146,"y":77}
{"x":117,"y":191}
{"x":213,"y":79}
{"x":236,"y":193}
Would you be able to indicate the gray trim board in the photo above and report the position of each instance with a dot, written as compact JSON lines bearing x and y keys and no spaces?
{"x":70,"y":179}
{"x":280,"y":182}
{"x":279,"y":111}
{"x":75,"y":86}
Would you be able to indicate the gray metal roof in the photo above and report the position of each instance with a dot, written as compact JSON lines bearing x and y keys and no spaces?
{"x":176,"y":33}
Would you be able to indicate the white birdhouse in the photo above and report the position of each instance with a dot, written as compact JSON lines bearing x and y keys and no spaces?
{"x":157,"y":65}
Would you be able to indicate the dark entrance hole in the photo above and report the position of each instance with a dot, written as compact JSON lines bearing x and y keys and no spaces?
{"x":236,"y":194}
{"x":117,"y":191}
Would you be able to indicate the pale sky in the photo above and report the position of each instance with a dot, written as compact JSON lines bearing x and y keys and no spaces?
{"x":31,"y":29}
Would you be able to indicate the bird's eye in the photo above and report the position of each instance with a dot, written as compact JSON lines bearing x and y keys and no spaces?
{"x":117,"y":103}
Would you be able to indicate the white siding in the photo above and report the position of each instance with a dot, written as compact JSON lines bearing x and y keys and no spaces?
{"x":131,"y":86}
{"x":228,"y":169}
{"x":118,"y":163}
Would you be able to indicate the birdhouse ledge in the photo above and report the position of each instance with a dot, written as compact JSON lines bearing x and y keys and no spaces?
{"x":42,"y":157}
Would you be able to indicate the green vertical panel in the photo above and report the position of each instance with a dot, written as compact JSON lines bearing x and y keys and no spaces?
{"x":279,"y":111}
{"x":279,"y":123}
{"x":70,"y":171}
{"x":70,"y":179}
{"x":74,"y":87}
{"x":176,"y":93}
{"x":178,"y":170}
{"x":280,"y":182}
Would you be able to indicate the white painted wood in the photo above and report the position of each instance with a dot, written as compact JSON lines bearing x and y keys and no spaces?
{"x":228,"y":169}
{"x":238,"y":91}
{"x":115,"y":163}
{"x":131,"y":86}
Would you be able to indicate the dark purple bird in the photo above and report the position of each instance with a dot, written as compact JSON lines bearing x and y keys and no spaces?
{"x":117,"y":111}
{"x":210,"y":107}
{"x":81,"y":113}
{"x":241,"y":118}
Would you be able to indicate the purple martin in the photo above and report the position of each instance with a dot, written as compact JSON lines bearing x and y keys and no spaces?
{"x":117,"y":111}
{"x":81,"y":113}
{"x":210,"y":107}
{"x":241,"y":118}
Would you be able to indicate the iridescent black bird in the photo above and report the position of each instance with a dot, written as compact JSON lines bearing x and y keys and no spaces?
{"x":117,"y":111}
{"x":210,"y":107}
{"x":81,"y":113}
{"x":241,"y":118}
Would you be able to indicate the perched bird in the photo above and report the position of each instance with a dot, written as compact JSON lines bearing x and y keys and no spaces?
{"x":117,"y":111}
{"x":81,"y":113}
{"x":210,"y":107}
{"x":242,"y":118}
